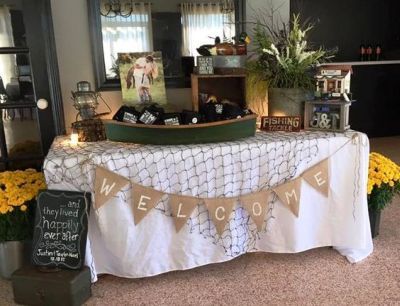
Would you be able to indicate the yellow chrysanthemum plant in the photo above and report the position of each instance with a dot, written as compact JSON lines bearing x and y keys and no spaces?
{"x":18,"y":190}
{"x":383,"y":181}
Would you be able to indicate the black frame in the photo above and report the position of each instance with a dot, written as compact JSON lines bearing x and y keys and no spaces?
{"x":43,"y":60}
{"x":104,"y":84}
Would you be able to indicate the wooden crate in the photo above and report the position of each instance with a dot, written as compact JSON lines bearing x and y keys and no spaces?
{"x":224,"y":86}
{"x":64,"y":287}
{"x":321,"y":115}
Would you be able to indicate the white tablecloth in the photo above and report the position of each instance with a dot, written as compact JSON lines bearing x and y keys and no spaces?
{"x":116,"y":246}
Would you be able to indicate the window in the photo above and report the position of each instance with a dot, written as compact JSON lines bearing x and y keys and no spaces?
{"x":174,"y":27}
{"x":126,"y":34}
{"x":203,"y":21}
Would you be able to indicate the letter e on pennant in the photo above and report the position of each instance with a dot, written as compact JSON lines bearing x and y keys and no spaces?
{"x":318,"y":177}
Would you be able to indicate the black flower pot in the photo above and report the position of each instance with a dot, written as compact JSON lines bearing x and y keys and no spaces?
{"x":374,"y":220}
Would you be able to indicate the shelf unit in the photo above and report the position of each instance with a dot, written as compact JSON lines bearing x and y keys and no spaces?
{"x":224,"y":86}
{"x":365,"y":63}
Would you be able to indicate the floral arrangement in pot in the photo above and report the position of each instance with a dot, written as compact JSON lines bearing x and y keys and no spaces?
{"x":286,"y":60}
{"x":383,"y":185}
{"x":18,"y":190}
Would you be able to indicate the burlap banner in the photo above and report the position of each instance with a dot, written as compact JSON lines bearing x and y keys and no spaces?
{"x":220,"y":209}
{"x":318,"y":177}
{"x":256,"y":204}
{"x":106,"y":185}
{"x":182,"y":207}
{"x":289,"y":194}
{"x":144,"y":199}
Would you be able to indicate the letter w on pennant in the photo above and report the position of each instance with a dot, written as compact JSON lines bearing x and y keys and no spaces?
{"x":106,"y":185}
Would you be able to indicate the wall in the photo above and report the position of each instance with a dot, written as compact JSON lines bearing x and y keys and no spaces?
{"x":74,"y":51}
{"x":376,"y":22}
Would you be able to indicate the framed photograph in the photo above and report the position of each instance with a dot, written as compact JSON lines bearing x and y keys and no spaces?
{"x":142,"y":78}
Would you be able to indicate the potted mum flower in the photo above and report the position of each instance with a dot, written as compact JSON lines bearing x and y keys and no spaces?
{"x":383,"y":184}
{"x":286,"y":61}
{"x":18,"y":189}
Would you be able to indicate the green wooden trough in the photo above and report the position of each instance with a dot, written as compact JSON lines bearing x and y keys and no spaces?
{"x":220,"y":131}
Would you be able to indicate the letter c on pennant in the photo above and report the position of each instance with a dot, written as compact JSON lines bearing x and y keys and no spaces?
{"x":216,"y":213}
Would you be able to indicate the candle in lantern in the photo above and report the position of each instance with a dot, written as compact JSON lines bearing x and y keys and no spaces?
{"x":74,"y":138}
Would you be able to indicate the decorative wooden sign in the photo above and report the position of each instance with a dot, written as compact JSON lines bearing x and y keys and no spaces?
{"x":281,"y":123}
{"x":205,"y":65}
{"x":61,"y":224}
{"x":327,"y":115}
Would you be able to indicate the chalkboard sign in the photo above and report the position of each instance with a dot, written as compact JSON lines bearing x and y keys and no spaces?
{"x":61,"y":224}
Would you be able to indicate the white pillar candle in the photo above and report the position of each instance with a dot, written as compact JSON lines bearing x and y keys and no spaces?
{"x":74,"y":139}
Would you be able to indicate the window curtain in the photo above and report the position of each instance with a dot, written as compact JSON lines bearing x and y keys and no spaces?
{"x":126,"y":34}
{"x":200,"y":21}
{"x":7,"y":61}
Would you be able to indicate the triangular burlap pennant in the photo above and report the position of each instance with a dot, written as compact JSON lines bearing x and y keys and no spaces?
{"x":256,"y":204}
{"x":289,"y":194}
{"x":144,"y":199}
{"x":318,"y":177}
{"x":182,"y":207}
{"x":220,"y":210}
{"x":106,"y":185}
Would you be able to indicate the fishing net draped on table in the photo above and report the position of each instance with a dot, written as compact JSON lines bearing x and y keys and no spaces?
{"x":230,"y":169}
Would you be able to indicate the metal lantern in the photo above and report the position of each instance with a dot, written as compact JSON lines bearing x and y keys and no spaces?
{"x":90,"y":128}
{"x":85,"y":100}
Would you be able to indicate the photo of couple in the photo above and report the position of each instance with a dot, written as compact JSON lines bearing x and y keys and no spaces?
{"x":142,"y":78}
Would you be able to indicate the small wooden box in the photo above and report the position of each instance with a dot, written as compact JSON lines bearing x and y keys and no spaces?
{"x":231,"y":87}
{"x":64,"y":287}
{"x":90,"y":130}
{"x":328,"y":115}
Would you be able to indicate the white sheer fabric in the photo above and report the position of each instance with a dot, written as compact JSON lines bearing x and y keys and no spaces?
{"x":200,"y":21}
{"x":7,"y":61}
{"x":126,"y":34}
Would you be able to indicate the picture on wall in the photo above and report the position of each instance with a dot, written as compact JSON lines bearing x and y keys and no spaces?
{"x":142,"y":78}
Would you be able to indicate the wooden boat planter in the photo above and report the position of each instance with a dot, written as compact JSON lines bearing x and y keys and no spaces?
{"x":226,"y":130}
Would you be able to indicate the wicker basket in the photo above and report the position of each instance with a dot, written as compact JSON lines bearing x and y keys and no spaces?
{"x":90,"y":130}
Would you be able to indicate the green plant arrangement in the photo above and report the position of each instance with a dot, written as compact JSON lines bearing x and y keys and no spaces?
{"x":286,"y":61}
{"x":285,"y":58}
{"x":18,"y":190}
{"x":383,"y":181}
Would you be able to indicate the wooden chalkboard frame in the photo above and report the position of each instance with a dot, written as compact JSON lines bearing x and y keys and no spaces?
{"x":55,"y":246}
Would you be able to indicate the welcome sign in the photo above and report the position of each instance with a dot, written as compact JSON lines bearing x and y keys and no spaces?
{"x":61,"y":224}
{"x":107,"y":184}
